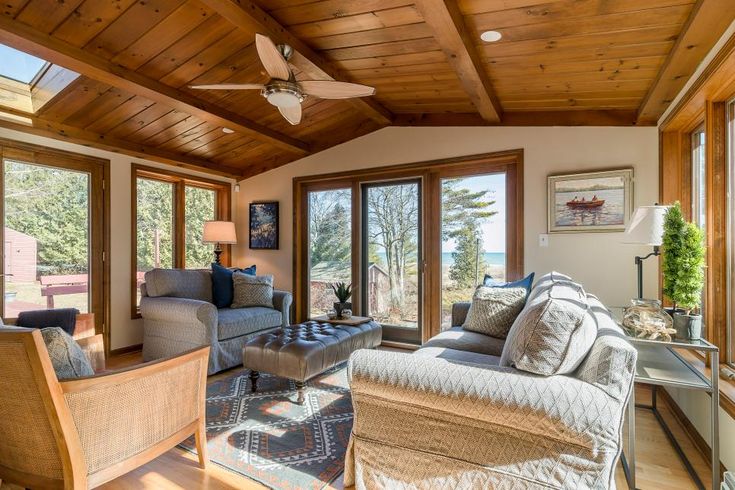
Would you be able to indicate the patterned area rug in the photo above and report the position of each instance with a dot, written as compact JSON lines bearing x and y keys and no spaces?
{"x":267,"y":437}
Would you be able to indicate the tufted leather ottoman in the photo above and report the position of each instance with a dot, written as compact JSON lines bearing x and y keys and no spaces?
{"x":302,"y":351}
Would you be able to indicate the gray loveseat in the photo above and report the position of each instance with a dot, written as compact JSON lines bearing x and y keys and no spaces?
{"x":178,"y":315}
{"x":449,"y":416}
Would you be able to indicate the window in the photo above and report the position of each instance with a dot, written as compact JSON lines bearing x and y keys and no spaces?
{"x":473,"y":236}
{"x":412,"y":239}
{"x":54,"y":217}
{"x":699,"y":181}
{"x":330,"y":245}
{"x":19,"y":66}
{"x":169,"y":214}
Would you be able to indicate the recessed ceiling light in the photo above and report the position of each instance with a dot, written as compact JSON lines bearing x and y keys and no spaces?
{"x":491,"y":36}
{"x":228,"y":130}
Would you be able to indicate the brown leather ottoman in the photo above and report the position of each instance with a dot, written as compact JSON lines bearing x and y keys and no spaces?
{"x":300,"y":352}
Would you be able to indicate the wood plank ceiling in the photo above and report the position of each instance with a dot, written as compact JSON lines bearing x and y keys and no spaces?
{"x":560,"y":62}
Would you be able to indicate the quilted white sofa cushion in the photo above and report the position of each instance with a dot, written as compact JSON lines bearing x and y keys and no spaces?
{"x":554,"y":332}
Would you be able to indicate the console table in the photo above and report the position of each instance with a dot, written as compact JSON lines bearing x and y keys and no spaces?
{"x":659,"y":364}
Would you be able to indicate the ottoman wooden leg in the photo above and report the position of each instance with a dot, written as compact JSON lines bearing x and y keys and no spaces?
{"x":254,"y":375}
{"x":300,"y":389}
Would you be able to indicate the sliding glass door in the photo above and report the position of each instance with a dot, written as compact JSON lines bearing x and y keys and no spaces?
{"x":411,"y":239}
{"x":391,"y":261}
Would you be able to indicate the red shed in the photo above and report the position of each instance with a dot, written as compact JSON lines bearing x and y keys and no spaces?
{"x":20,"y":256}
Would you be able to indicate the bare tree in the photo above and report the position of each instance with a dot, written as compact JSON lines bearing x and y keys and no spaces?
{"x":393,"y":226}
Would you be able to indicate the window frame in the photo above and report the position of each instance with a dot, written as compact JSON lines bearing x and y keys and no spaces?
{"x":431,"y":172}
{"x":99,"y":218}
{"x":180,"y":181}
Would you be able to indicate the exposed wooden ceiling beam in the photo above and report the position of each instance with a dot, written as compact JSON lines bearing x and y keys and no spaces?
{"x":248,"y":16}
{"x":63,"y":132}
{"x":450,"y":31}
{"x":31,"y":41}
{"x":707,"y":22}
{"x":525,"y":118}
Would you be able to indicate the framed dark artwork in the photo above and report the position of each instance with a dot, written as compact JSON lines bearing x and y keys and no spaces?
{"x":590,"y":202}
{"x":264,"y":225}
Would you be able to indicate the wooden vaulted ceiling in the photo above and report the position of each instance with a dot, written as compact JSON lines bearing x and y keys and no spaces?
{"x":560,"y":62}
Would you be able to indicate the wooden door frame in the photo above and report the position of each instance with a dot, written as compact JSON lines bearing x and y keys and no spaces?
{"x":99,"y":208}
{"x":431,"y":172}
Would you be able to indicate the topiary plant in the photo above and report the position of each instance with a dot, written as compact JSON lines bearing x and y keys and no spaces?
{"x":683,"y":260}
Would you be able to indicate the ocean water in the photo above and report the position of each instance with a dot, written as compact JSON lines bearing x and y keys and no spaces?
{"x":491,"y":258}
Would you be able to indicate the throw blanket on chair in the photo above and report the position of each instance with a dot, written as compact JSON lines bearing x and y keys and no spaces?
{"x":64,"y":318}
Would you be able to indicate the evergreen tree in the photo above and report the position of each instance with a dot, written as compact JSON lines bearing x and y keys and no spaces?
{"x":463,"y":208}
{"x":467,"y":257}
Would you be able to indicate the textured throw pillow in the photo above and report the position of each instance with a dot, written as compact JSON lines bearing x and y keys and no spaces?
{"x":526,"y":282}
{"x":493,"y":310}
{"x":66,"y":355}
{"x":222,"y":285}
{"x":553,"y":333}
{"x":252,"y":290}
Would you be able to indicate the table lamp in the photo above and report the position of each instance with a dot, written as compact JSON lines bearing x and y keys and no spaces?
{"x":219,"y":233}
{"x":646,"y":227}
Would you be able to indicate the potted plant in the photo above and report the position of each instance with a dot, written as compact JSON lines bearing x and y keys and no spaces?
{"x":683,"y":271}
{"x":343,"y":292}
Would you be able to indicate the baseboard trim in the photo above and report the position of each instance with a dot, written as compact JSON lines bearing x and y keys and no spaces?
{"x":699,"y":442}
{"x":126,"y":350}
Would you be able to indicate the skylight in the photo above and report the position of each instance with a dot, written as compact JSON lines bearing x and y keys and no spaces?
{"x":19,"y":66}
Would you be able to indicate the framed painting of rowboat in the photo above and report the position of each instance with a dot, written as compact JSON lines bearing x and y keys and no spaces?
{"x":590,"y":202}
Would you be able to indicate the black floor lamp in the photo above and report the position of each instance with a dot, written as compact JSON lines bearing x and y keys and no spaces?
{"x":646,"y":227}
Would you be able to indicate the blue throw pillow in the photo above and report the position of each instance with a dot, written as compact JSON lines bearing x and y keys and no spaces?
{"x":526,"y":282}
{"x":222,"y":286}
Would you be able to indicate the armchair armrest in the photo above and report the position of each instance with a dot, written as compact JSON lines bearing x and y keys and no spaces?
{"x":282,"y":302}
{"x":128,"y":417}
{"x":559,"y":408}
{"x":459,"y":313}
{"x":182,"y":310}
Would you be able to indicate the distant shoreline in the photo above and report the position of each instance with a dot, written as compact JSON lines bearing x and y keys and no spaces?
{"x":491,"y":258}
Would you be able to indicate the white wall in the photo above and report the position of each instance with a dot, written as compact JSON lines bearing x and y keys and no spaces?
{"x":598,"y":260}
{"x":124,"y":331}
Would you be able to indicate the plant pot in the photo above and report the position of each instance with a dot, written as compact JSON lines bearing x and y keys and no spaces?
{"x":338,"y":307}
{"x":688,"y":326}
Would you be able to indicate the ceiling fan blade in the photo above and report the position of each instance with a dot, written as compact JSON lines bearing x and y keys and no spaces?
{"x":272,"y":59}
{"x":229,"y":86}
{"x":330,"y":89}
{"x":291,"y":114}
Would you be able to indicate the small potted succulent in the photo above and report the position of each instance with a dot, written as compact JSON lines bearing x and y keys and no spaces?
{"x":683,"y":271}
{"x":343,"y":292}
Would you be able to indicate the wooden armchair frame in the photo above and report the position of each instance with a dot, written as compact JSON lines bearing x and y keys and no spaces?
{"x":92,"y":430}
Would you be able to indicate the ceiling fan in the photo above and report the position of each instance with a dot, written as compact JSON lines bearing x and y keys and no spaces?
{"x":283,"y":91}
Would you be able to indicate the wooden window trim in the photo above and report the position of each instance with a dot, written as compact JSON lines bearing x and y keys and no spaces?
{"x":99,"y":170}
{"x":704,"y":103}
{"x":180,"y":181}
{"x":431,"y":172}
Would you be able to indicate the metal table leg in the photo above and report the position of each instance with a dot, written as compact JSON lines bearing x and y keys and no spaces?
{"x":629,"y":463}
{"x":715,"y":420}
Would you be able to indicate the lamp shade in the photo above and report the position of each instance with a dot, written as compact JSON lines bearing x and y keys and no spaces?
{"x":219,"y":232}
{"x":646,"y":227}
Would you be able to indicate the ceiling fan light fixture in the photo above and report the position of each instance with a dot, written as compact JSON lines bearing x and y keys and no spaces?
{"x":228,"y":130}
{"x":491,"y":36}
{"x":283,"y":99}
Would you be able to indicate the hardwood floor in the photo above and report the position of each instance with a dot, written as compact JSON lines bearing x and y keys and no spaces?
{"x":657,"y":467}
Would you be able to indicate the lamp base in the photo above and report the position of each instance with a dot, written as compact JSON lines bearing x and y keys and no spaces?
{"x":217,"y":253}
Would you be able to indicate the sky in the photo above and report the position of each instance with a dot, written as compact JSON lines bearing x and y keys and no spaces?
{"x":493,"y":230}
{"x":18,"y":65}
